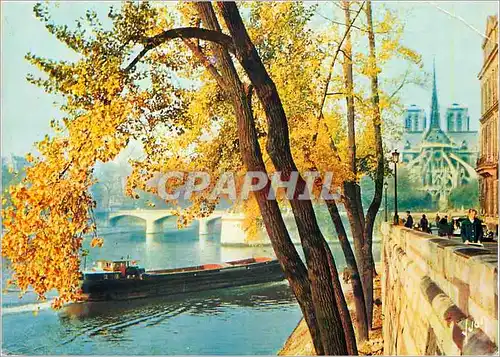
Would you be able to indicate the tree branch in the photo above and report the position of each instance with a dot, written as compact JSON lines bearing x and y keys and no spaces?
{"x":206,"y":62}
{"x":330,"y":72}
{"x":400,"y":85}
{"x":343,"y":24}
{"x":360,"y":99}
{"x":328,"y":79}
{"x":184,"y":33}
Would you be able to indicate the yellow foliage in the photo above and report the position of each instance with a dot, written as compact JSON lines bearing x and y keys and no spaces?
{"x":182,"y":127}
{"x":97,"y":242}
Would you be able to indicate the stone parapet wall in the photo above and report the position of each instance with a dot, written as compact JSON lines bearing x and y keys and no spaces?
{"x":439,"y":296}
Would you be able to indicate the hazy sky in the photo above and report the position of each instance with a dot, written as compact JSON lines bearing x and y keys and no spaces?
{"x":26,"y":110}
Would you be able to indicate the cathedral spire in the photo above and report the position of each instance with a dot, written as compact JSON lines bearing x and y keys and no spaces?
{"x":435,"y":134}
{"x":435,"y":119}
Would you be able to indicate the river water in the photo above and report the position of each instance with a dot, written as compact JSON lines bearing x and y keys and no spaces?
{"x":249,"y":320}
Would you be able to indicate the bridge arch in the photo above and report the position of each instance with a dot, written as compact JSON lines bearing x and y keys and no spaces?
{"x":156,"y":219}
{"x":206,"y":225}
{"x":115,"y":220}
{"x":169,"y":221}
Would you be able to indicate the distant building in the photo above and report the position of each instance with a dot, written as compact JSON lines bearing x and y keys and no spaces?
{"x":457,"y":119}
{"x":415,"y":120}
{"x":441,"y":160}
{"x":487,"y":165}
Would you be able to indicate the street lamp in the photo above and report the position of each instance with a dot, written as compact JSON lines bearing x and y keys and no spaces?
{"x":395,"y":160}
{"x":386,"y":185}
{"x":85,"y":252}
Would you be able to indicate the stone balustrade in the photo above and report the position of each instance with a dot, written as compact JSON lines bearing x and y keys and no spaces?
{"x":439,"y":296}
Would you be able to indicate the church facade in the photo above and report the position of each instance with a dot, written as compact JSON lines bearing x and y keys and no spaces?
{"x":442,"y":160}
{"x":487,"y":165}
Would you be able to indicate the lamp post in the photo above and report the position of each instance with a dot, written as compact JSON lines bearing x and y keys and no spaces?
{"x":395,"y":160}
{"x":386,"y":185}
{"x":85,"y":252}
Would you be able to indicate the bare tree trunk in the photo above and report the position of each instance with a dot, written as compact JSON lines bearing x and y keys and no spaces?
{"x":357,"y":287}
{"x":349,"y":87}
{"x":361,"y":316}
{"x":290,"y":261}
{"x":345,"y":315}
{"x":357,"y":231}
{"x":325,"y":305}
{"x":379,"y":174}
{"x":351,"y":202}
{"x":352,"y":190}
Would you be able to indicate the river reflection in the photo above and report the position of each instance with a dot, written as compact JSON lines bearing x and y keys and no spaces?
{"x":258,"y":296}
{"x":112,"y":319}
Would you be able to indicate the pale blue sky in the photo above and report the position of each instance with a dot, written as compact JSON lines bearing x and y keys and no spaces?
{"x":27,"y":110}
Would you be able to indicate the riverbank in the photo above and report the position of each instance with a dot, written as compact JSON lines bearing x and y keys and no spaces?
{"x":299,"y":343}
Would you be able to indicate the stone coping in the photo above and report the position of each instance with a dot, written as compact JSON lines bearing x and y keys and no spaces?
{"x":466,"y":275}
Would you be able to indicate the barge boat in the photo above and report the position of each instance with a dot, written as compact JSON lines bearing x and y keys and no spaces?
{"x":122,"y":280}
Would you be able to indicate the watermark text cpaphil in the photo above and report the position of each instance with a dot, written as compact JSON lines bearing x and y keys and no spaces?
{"x":309,"y":185}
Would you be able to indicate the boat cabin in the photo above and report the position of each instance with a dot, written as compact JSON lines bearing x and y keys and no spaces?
{"x":113,"y":265}
{"x":114,"y":269}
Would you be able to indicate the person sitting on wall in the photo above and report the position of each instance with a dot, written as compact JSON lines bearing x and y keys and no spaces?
{"x":437,"y":220}
{"x":450,"y":228}
{"x":443,"y":227}
{"x":409,"y":220}
{"x":472,"y":228}
{"x":424,"y":224}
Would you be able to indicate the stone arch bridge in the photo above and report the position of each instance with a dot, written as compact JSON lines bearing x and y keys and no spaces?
{"x":232,"y":231}
{"x":156,"y":218}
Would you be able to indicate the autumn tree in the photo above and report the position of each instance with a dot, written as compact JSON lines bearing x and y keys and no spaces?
{"x":51,"y":208}
{"x":200,"y":90}
{"x":366,"y":109}
{"x":12,"y":174}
